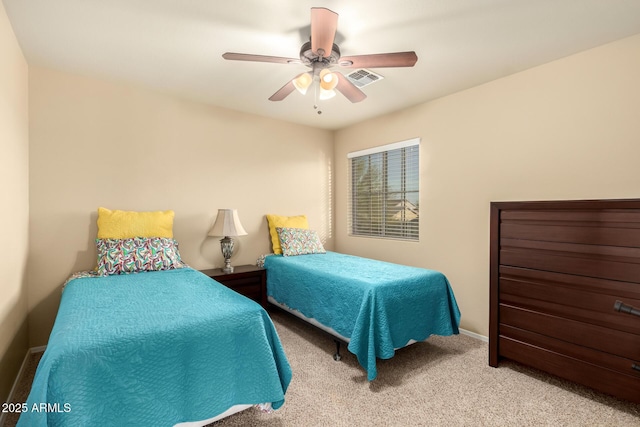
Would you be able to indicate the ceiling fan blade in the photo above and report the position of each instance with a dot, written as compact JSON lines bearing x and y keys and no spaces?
{"x":259,"y":58}
{"x":284,"y":91}
{"x":380,"y":60}
{"x":324,"y":24}
{"x":348,"y":89}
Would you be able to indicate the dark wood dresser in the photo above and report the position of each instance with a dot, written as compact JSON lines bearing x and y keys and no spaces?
{"x":557,"y":270}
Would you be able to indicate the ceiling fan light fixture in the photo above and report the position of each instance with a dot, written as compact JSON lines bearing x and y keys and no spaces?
{"x":326,"y":93}
{"x":302,"y":82}
{"x":328,"y":80}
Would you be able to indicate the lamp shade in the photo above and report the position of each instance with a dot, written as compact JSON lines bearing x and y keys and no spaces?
{"x":328,"y":80}
{"x":327,"y":94}
{"x":302,"y":82}
{"x":227,"y":224}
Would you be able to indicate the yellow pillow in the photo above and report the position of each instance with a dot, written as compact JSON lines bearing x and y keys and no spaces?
{"x":128,"y":224}
{"x":275,"y":221}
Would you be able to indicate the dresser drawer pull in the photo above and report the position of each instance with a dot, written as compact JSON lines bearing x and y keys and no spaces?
{"x":635,"y":366}
{"x":619,"y":306}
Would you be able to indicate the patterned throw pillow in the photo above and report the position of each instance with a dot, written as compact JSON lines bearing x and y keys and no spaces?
{"x":299,"y":241}
{"x":124,"y":256}
{"x":275,"y":221}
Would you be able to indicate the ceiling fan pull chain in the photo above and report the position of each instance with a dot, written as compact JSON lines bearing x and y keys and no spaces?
{"x":315,"y":97}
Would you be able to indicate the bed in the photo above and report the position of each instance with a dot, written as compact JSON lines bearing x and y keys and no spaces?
{"x":145,"y":340}
{"x":377,"y":307}
{"x":155,"y":348}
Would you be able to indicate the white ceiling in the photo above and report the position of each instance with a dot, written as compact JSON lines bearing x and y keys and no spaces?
{"x":177,"y":45}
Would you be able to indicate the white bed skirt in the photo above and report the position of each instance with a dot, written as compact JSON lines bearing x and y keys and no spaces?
{"x":317,"y":324}
{"x":314,"y":322}
{"x":233,"y":410}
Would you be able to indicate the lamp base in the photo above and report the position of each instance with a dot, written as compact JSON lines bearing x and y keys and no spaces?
{"x":228,"y":268}
{"x":226,"y":244}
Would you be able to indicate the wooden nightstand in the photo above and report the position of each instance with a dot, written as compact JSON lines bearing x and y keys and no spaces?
{"x":248,"y":280}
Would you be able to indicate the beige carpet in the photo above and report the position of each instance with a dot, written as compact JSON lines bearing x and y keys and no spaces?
{"x":444,"y":381}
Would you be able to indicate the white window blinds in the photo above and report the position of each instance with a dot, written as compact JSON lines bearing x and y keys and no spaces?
{"x":384,"y":191}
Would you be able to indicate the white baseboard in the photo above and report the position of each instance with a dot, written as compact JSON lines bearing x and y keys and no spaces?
{"x":474,"y":335}
{"x":30,"y":351}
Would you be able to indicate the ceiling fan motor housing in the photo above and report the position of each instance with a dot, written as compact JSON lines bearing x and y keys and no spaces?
{"x":311,"y":59}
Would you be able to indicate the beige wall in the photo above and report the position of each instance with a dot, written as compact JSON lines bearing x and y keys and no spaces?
{"x":14,"y":204}
{"x":100,"y":143}
{"x":565,"y":130}
{"x":569,"y":129}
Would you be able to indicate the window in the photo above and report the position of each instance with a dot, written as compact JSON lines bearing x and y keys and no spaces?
{"x":384,"y":192}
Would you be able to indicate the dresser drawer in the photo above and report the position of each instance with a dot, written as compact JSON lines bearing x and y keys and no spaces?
{"x":606,"y":360}
{"x":592,"y":375}
{"x":587,"y":335}
{"x":577,"y":298}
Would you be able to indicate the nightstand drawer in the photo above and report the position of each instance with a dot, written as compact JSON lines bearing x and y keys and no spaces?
{"x":247,"y":280}
{"x":240,"y":283}
{"x":251,"y":294}
{"x":242,"y":286}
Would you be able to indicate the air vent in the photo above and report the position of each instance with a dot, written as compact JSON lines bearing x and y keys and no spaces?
{"x":363,"y":77}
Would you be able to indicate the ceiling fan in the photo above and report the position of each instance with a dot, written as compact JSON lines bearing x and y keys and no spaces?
{"x":320,"y":54}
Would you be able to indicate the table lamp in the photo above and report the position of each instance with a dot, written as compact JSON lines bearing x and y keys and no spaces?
{"x":228,"y":225}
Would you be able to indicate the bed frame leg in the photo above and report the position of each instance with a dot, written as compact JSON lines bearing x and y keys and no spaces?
{"x":337,"y":356}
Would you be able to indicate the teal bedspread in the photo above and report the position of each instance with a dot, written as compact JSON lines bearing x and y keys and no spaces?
{"x":155,"y":349}
{"x":378,"y":305}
